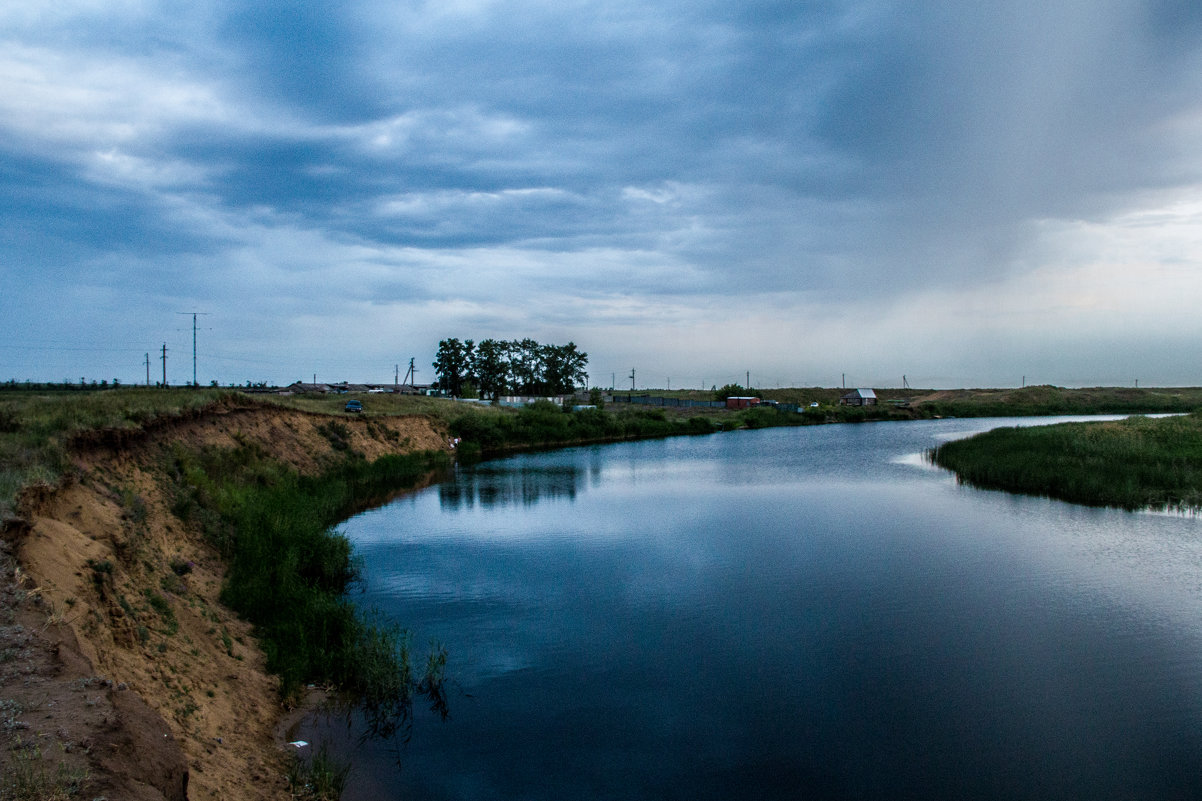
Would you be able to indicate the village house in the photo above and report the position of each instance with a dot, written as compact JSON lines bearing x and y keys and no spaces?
{"x":859,"y":397}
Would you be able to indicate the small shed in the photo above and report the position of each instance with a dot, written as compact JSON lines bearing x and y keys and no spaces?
{"x":859,"y":397}
{"x":741,"y":402}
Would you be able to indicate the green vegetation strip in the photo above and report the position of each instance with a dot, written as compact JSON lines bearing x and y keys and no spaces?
{"x":1131,"y":464}
{"x":289,"y":570}
{"x":545,"y":424}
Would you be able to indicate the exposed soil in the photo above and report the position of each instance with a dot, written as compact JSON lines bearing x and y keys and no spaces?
{"x":121,"y":674}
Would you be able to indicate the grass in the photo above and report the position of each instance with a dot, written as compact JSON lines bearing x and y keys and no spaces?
{"x":289,"y":571}
{"x":321,"y":777}
{"x":374,"y":405}
{"x":37,"y":428}
{"x":1131,"y":464}
{"x":1049,"y":400}
{"x":30,"y":777}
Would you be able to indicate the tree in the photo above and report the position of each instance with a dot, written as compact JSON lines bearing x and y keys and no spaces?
{"x":563,"y":368}
{"x":731,"y":391}
{"x":453,"y":363}
{"x":521,"y":366}
{"x":491,"y":368}
{"x":526,"y":362}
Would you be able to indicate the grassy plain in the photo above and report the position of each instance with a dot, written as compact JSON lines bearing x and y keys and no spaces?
{"x":37,"y":428}
{"x":1134,"y":463}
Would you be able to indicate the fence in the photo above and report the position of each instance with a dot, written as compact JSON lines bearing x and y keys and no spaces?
{"x":655,"y":400}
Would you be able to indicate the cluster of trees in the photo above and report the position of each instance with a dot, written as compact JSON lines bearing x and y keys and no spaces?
{"x":734,"y":391}
{"x":517,"y":367}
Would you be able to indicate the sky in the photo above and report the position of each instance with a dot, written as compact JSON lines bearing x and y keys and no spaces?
{"x":802,"y":193}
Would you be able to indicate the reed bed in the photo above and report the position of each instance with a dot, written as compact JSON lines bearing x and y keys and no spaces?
{"x":289,"y":569}
{"x":1134,"y":463}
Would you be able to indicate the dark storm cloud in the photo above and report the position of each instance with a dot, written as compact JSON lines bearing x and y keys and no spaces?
{"x":594,"y":161}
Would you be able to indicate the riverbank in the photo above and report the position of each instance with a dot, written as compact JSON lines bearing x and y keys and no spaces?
{"x":1134,"y":463}
{"x":157,"y":687}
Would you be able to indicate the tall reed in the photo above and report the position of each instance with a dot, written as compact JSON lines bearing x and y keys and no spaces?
{"x":1133,"y":463}
{"x":289,"y":570}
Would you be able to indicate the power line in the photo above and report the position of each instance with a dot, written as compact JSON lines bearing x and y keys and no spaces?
{"x":64,"y":348}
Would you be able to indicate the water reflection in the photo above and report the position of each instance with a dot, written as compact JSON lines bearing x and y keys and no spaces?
{"x":783,"y":614}
{"x":492,"y":487}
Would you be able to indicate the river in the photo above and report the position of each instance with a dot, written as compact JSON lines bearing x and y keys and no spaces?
{"x":779,"y":614}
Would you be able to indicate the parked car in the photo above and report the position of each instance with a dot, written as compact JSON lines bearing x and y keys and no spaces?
{"x":354,"y":406}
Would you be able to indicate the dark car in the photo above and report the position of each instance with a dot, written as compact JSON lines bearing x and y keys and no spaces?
{"x":354,"y":406}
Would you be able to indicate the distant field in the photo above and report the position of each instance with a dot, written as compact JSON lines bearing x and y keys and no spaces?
{"x":1044,"y":399}
{"x":1026,"y":401}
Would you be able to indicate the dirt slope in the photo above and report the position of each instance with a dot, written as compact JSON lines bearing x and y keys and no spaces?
{"x":121,"y":674}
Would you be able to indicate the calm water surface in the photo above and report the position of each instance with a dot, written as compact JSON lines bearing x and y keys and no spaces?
{"x":781,"y":614}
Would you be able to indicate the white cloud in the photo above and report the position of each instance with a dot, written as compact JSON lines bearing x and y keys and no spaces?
{"x":51,"y":99}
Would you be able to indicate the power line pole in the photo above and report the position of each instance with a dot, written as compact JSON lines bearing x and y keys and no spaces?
{"x":632,"y":379}
{"x":194,"y":314}
{"x":148,"y":369}
{"x":164,"y":358}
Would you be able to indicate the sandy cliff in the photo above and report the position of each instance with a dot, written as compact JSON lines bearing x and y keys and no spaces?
{"x":117,"y":659}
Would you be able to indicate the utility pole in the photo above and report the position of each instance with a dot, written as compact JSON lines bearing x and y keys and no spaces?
{"x":194,"y":314}
{"x":164,"y":358}
{"x":905,"y":384}
{"x":845,"y":380}
{"x":148,"y":369}
{"x":748,"y":384}
{"x":632,"y":379}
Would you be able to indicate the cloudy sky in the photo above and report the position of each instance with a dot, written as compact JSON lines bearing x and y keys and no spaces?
{"x":967,"y":194}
